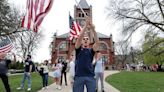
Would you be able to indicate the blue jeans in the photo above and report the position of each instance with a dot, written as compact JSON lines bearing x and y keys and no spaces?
{"x":45,"y":79}
{"x":101,"y":76}
{"x":26,"y":75}
{"x":80,"y":82}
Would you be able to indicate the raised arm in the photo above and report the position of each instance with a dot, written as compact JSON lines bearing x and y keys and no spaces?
{"x":14,"y":58}
{"x":78,"y":42}
{"x":95,"y":37}
{"x":79,"y":39}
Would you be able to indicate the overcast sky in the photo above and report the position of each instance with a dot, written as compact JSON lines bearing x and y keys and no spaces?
{"x":57,"y":20}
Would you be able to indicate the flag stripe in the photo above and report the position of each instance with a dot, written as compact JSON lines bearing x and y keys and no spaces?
{"x":1,"y":48}
{"x":41,"y":16}
{"x":7,"y":49}
{"x":36,"y":11}
{"x":77,"y":28}
{"x":5,"y":45}
{"x":36,"y":6}
{"x":23,"y":20}
{"x":74,"y":28}
{"x":42,"y":5}
{"x":29,"y":16}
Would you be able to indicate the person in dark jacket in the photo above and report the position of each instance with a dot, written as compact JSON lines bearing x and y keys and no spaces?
{"x":4,"y":63}
{"x":27,"y":73}
{"x":64,"y":72}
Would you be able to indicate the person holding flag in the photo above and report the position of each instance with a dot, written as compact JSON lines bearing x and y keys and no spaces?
{"x":4,"y":63}
{"x":84,"y":70}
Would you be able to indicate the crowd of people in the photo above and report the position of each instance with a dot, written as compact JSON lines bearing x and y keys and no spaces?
{"x":85,"y":65}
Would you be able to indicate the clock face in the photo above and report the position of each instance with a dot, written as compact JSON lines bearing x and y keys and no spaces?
{"x":82,"y":23}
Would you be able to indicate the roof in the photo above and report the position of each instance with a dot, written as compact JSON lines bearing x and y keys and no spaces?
{"x":83,"y":4}
{"x":63,"y":35}
{"x":100,"y":35}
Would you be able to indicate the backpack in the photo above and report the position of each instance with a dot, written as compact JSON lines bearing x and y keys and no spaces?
{"x":41,"y":71}
{"x":33,"y":67}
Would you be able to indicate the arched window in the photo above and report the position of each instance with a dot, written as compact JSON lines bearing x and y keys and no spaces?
{"x":61,"y":58}
{"x":63,"y":46}
{"x":80,"y":15}
{"x":103,"y":47}
{"x":87,"y":14}
{"x":105,"y":58}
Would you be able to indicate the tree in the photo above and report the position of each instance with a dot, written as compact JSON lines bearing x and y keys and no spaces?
{"x":138,"y":57}
{"x":152,"y":56}
{"x":27,"y":42}
{"x":122,"y":52}
{"x":146,"y":15}
{"x":9,"y":19}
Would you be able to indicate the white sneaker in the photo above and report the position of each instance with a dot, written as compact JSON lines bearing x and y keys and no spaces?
{"x":59,"y":87}
{"x":46,"y":87}
{"x":19,"y":88}
{"x":43,"y":88}
{"x":29,"y":89}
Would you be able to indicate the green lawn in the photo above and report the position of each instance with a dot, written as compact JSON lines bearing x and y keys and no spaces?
{"x":137,"y":81}
{"x":15,"y":82}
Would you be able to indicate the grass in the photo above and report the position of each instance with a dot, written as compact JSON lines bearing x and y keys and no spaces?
{"x":137,"y":81}
{"x":15,"y":82}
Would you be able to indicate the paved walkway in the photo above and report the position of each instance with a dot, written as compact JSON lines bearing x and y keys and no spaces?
{"x":108,"y":88}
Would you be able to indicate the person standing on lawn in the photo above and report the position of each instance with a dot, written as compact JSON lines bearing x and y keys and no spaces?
{"x":27,"y":73}
{"x":4,"y":63}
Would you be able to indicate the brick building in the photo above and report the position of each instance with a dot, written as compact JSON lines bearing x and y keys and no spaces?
{"x":61,"y":47}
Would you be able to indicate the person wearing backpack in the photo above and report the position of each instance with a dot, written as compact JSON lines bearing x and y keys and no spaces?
{"x":28,"y":67}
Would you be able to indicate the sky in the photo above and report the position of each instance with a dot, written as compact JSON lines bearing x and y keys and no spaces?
{"x":57,"y":21}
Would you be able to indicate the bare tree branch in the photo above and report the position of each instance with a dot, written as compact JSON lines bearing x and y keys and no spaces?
{"x":160,"y":8}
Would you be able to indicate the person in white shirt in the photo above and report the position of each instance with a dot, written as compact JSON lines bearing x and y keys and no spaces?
{"x":57,"y":73}
{"x":72,"y":68}
{"x":45,"y":74}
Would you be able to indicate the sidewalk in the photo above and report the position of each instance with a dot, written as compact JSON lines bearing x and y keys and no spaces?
{"x":108,"y":88}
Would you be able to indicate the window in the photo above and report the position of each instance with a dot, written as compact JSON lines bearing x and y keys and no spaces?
{"x":82,"y":15}
{"x":61,"y":58}
{"x":105,"y":58}
{"x":87,"y":14}
{"x":103,"y":46}
{"x":79,"y":14}
{"x":63,"y":46}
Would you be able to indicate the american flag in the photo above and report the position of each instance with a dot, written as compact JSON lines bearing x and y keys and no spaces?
{"x":5,"y":45}
{"x":36,"y":11}
{"x":74,"y":28}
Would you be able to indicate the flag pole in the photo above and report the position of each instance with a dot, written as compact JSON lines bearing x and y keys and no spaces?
{"x":81,"y":8}
{"x":85,"y":16}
